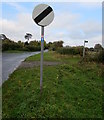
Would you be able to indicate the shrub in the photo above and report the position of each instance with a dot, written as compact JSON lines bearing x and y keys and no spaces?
{"x":97,"y":57}
{"x":100,"y":57}
{"x":70,"y":50}
{"x":32,"y":48}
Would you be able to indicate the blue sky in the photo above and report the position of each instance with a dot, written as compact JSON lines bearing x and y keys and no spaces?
{"x":91,"y":12}
{"x":73,"y":22}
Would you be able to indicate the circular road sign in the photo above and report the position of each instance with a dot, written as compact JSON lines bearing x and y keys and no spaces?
{"x":43,"y":15}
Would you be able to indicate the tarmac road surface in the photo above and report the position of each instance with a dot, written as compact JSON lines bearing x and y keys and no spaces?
{"x":10,"y":61}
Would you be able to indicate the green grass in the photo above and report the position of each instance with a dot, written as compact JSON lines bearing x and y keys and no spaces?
{"x":70,"y":90}
{"x":53,"y":56}
{"x":48,"y":56}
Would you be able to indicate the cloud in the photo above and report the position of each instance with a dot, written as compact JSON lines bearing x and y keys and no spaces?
{"x":17,"y":6}
{"x":91,"y":28}
{"x":62,"y":25}
{"x":24,"y":23}
{"x":17,"y":29}
{"x":86,"y":30}
{"x":67,"y":27}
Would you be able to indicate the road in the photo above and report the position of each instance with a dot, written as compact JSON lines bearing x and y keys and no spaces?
{"x":10,"y":61}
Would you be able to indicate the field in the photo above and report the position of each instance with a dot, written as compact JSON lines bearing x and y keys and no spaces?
{"x":71,"y":89}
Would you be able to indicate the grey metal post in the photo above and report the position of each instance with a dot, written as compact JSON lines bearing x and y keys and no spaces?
{"x":84,"y":50}
{"x":41,"y":63}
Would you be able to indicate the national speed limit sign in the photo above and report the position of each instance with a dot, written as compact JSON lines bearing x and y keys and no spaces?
{"x":43,"y":15}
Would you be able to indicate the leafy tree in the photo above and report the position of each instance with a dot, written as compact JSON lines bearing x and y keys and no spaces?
{"x":91,"y":49}
{"x":28,"y":36}
{"x":26,"y":43}
{"x":49,"y":45}
{"x":35,"y":45}
{"x":3,"y":37}
{"x":98,"y":47}
{"x":55,"y":45}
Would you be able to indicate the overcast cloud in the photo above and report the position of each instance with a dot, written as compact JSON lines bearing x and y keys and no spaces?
{"x":66,"y":26}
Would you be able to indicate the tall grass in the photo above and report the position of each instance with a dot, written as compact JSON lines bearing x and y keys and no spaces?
{"x":90,"y":56}
{"x":70,"y":50}
{"x":96,"y":57}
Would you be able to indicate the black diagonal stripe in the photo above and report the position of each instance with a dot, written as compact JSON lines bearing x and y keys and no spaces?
{"x":43,"y":14}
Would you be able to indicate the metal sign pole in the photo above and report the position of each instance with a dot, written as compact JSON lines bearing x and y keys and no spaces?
{"x":84,"y":50}
{"x":41,"y":63}
{"x":42,"y":15}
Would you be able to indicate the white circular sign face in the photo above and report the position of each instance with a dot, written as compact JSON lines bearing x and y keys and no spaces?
{"x":43,"y":15}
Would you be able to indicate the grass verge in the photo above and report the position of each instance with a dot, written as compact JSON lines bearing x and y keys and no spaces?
{"x":70,"y":90}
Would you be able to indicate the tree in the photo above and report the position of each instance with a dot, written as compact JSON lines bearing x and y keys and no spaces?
{"x":98,"y":47}
{"x":34,"y":43}
{"x":2,"y":37}
{"x":28,"y":36}
{"x":91,"y":49}
{"x":26,"y":43}
{"x":55,"y":45}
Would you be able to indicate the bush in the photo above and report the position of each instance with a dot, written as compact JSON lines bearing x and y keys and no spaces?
{"x":32,"y":48}
{"x":100,"y":57}
{"x":11,"y":45}
{"x":55,"y":45}
{"x":70,"y":50}
{"x":97,"y":57}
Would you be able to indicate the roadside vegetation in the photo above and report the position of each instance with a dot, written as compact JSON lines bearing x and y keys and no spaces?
{"x":70,"y":50}
{"x":30,"y":46}
{"x":95,"y":57}
{"x":95,"y":54}
{"x":72,"y":89}
{"x":9,"y":45}
{"x":92,"y":54}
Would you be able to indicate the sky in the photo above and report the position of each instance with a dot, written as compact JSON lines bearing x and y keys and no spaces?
{"x":73,"y":23}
